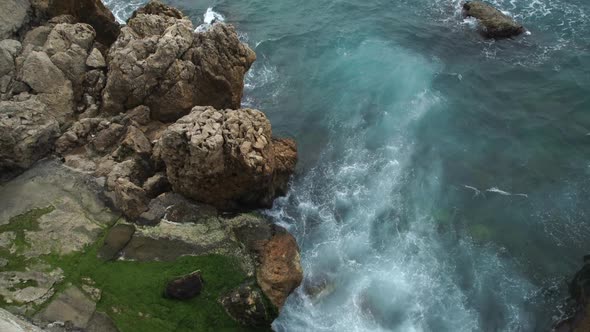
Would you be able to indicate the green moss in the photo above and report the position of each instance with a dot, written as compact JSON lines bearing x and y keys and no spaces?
{"x":28,"y":221}
{"x":132,"y":291}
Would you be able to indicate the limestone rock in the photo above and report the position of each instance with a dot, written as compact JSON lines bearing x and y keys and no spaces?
{"x":495,"y":24}
{"x":280,"y":272}
{"x":95,"y":59}
{"x":27,"y":133}
{"x":92,"y":12}
{"x":185,"y":287}
{"x":158,"y":61}
{"x":13,"y":16}
{"x":246,"y":305}
{"x":130,"y":198}
{"x":41,"y":74}
{"x":226,"y":158}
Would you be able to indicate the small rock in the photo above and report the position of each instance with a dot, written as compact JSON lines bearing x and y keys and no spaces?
{"x":495,"y":23}
{"x":116,"y":240}
{"x":185,"y":287}
{"x":95,"y":59}
{"x":156,"y":185}
{"x":246,"y":305}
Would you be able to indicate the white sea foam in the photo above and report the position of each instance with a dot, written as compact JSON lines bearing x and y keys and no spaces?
{"x":209,"y":18}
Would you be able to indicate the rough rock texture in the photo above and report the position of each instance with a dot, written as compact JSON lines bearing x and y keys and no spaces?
{"x":495,"y":24}
{"x":185,"y":287}
{"x":27,"y":133}
{"x":246,"y":304}
{"x":226,"y":158}
{"x":13,"y":16}
{"x":92,"y":12}
{"x":158,"y":61}
{"x":279,"y":272}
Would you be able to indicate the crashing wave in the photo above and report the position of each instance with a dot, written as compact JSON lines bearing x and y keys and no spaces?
{"x":209,"y":18}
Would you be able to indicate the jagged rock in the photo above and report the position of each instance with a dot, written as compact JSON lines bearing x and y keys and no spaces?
{"x":495,"y":24}
{"x":159,"y":62}
{"x":27,"y":133}
{"x":279,"y":272}
{"x":156,"y":185}
{"x":247,"y":306}
{"x":116,"y":240}
{"x":95,"y":59}
{"x":135,"y":142}
{"x":77,"y":134}
{"x":130,"y":198}
{"x":13,"y":16}
{"x":107,"y":137}
{"x":225,"y":158}
{"x":9,"y":49}
{"x":71,"y":306}
{"x":92,"y":12}
{"x":184,"y":288}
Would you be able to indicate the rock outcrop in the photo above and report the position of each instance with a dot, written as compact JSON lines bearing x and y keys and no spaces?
{"x":226,"y":158}
{"x":158,"y":61}
{"x":27,"y":134}
{"x":494,"y":23}
{"x":92,"y":12}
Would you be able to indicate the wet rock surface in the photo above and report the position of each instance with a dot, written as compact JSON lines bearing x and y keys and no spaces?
{"x":495,"y":24}
{"x":246,"y":304}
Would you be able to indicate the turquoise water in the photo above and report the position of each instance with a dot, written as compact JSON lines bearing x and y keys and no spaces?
{"x":444,"y":179}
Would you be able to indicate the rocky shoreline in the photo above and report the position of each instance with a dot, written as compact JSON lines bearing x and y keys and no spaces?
{"x":127,"y":151}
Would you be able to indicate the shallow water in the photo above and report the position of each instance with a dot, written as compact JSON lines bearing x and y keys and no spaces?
{"x":443,"y":178}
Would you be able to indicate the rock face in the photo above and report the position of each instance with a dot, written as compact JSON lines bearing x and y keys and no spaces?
{"x":184,"y":288}
{"x":158,"y":61}
{"x":92,"y":12}
{"x":495,"y":24}
{"x":27,"y":133}
{"x":226,"y":158}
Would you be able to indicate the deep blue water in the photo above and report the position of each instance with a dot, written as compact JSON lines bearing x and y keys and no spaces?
{"x":444,"y":179}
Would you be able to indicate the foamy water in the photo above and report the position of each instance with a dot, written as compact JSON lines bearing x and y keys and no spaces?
{"x":443,"y":179}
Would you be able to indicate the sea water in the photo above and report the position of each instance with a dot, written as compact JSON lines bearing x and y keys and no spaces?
{"x":443,"y":179}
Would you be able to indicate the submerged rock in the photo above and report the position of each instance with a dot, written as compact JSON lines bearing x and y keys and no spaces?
{"x":185,"y":288}
{"x":226,"y":158}
{"x":158,"y":61}
{"x":495,"y":24}
{"x":116,"y":240}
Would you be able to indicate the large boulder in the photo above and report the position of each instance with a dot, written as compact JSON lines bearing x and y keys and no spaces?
{"x":226,"y":158}
{"x":494,"y":23}
{"x":158,"y":61}
{"x":279,"y":272}
{"x":27,"y":133}
{"x":92,"y":12}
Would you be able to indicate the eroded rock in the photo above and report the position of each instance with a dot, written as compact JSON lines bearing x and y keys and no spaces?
{"x":158,"y":61}
{"x":226,"y":158}
{"x":27,"y":133}
{"x":247,"y":306}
